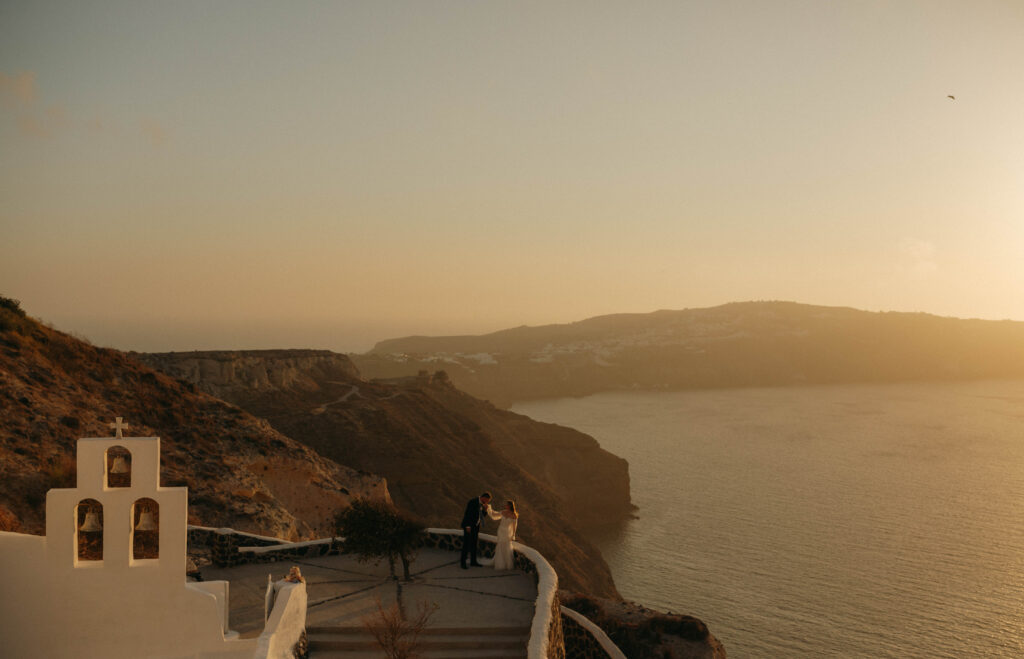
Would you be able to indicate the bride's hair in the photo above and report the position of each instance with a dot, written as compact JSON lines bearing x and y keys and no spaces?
{"x":512,"y":504}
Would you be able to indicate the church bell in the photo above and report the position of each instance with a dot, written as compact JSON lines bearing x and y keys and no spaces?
{"x":91,"y":523}
{"x":146,"y":522}
{"x":120,"y":465}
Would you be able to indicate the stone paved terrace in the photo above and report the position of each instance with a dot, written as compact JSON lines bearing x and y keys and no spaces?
{"x":492,"y":609}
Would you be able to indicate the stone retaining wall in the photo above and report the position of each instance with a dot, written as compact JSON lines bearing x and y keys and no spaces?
{"x":556,"y":632}
{"x":435,"y":539}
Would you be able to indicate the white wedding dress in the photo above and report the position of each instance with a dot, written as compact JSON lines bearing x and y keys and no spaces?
{"x":504,"y":559}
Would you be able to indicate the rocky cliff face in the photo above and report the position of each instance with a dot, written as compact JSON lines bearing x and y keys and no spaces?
{"x":230,"y":374}
{"x":593,"y":484}
{"x":438,"y":448}
{"x":239,"y":470}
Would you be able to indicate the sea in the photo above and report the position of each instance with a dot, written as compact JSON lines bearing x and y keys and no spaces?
{"x":822,"y":521}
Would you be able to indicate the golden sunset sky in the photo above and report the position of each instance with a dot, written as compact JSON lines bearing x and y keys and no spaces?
{"x":196,"y":175}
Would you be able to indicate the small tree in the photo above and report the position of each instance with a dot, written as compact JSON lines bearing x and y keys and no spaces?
{"x":373,"y":530}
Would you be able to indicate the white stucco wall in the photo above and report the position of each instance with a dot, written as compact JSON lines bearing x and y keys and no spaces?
{"x":53,"y":605}
{"x":286,"y":623}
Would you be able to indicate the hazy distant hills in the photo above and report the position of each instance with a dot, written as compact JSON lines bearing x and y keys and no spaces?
{"x":437,"y":446}
{"x":240,"y":472}
{"x":733,"y":345}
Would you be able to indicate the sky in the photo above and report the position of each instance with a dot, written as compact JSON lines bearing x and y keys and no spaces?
{"x":236,"y":175}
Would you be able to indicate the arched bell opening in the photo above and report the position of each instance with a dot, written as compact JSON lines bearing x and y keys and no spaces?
{"x":145,"y":529}
{"x":89,"y":530}
{"x":119,"y":467}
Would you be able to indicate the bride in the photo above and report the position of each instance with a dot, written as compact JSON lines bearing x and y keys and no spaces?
{"x":504,"y":559}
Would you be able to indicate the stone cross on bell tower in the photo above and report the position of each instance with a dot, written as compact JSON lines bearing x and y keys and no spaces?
{"x":118,"y":426}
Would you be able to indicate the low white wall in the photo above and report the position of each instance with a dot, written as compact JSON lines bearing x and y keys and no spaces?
{"x":233,"y":531}
{"x":284,"y":545}
{"x":606,"y":643}
{"x":218,"y":589}
{"x":88,"y":613}
{"x":285,"y":625}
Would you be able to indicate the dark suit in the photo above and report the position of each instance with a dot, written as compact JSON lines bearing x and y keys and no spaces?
{"x":471,"y":520}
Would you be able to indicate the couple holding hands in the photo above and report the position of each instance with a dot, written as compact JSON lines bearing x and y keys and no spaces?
{"x":476,"y":510}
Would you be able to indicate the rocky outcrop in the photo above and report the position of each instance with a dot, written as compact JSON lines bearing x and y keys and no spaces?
{"x":643,"y":633}
{"x":438,"y":447}
{"x":239,"y":470}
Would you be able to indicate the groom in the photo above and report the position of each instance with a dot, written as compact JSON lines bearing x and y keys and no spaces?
{"x":476,"y":509}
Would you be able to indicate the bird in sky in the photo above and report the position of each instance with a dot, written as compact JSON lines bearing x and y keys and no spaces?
{"x":951,"y":96}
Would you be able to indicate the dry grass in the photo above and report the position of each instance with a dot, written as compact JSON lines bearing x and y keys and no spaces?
{"x":397,"y":635}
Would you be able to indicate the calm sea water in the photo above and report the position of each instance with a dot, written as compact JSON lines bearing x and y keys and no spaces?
{"x":840,"y":521}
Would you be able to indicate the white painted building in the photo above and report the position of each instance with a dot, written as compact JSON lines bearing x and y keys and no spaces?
{"x":108,"y":578}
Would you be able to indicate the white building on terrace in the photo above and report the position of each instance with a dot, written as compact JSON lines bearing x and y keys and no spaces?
{"x":108,"y":578}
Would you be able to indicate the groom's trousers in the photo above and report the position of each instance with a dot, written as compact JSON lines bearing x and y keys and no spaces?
{"x":469,"y":544}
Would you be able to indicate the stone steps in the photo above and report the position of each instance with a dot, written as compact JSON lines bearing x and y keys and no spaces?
{"x":435,"y":643}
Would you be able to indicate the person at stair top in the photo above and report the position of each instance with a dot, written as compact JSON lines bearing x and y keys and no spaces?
{"x":504,"y":557}
{"x":476,"y":510}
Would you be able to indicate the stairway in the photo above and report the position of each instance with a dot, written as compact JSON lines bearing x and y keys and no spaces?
{"x":435,"y":643}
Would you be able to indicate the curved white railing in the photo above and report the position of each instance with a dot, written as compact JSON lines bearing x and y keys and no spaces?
{"x":602,"y":639}
{"x":547,"y":591}
{"x":231,"y":531}
{"x":267,"y":549}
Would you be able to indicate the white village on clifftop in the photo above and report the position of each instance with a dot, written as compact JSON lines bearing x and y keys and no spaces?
{"x":120,"y":574}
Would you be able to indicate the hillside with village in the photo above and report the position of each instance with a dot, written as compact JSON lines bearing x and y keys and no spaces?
{"x":741,"y":344}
